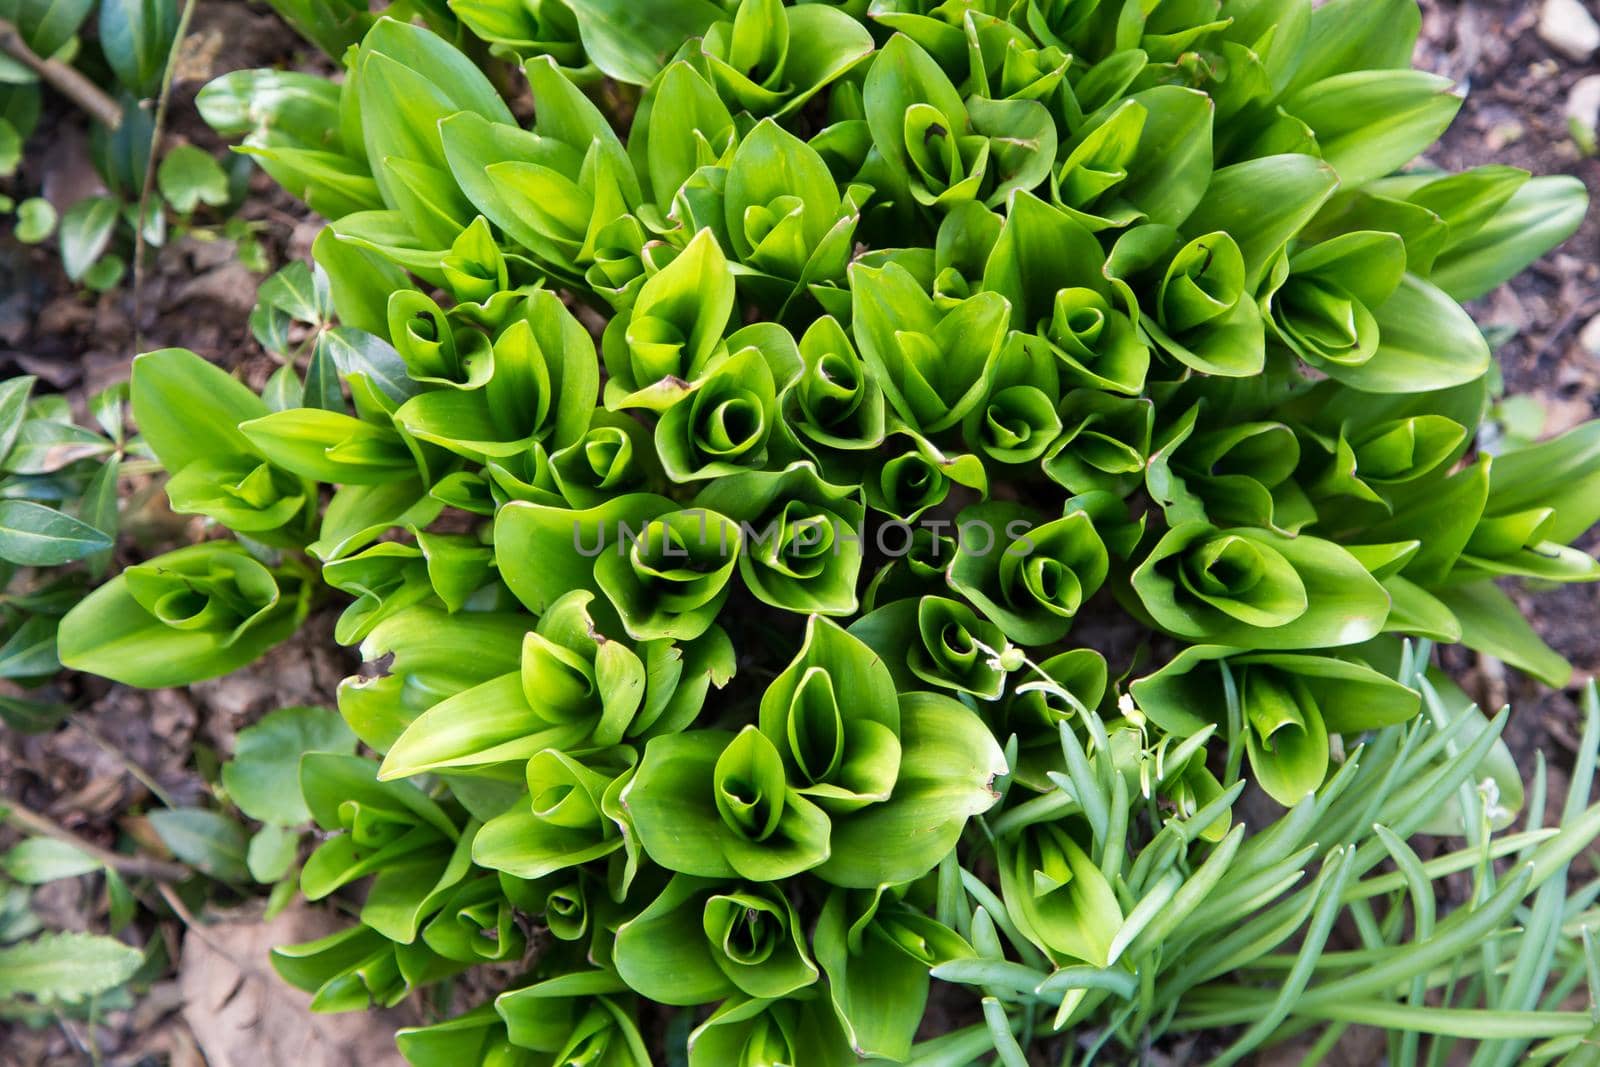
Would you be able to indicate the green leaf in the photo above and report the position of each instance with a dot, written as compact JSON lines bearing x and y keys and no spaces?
{"x":68,"y":968}
{"x":105,"y":274}
{"x":33,"y":717}
{"x":1370,"y":122}
{"x":136,"y":36}
{"x":38,"y":536}
{"x":38,"y":860}
{"x":30,"y":652}
{"x":208,"y":841}
{"x":937,"y":641}
{"x":10,"y":149}
{"x":1350,"y":35}
{"x":544,"y":553}
{"x":303,"y":106}
{"x":1256,"y":589}
{"x":50,"y":25}
{"x":714,"y":805}
{"x":85,"y":234}
{"x":271,"y":853}
{"x":1561,"y":474}
{"x":14,"y":393}
{"x":406,"y":80}
{"x":674,"y":330}
{"x":1492,"y":624}
{"x":1261,"y":204}
{"x":330,"y":446}
{"x":1028,"y":576}
{"x":1426,"y":342}
{"x":36,"y":220}
{"x":932,"y":363}
{"x":689,"y":946}
{"x":1057,"y":897}
{"x":195,"y":613}
{"x":948,"y":767}
{"x":299,"y":291}
{"x":189,"y":177}
{"x":263,"y":778}
{"x":362,"y":358}
{"x":188,"y":409}
{"x":785,"y":1031}
{"x":46,"y":446}
{"x":332,"y":25}
{"x":1540,"y":215}
{"x":628,"y":39}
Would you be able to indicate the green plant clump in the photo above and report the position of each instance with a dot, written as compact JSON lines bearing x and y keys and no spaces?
{"x":739,"y":508}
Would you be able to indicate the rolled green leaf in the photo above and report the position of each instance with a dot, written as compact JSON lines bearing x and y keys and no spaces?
{"x":948,"y":766}
{"x":762,"y":1033}
{"x":834,"y":404}
{"x":252,"y":497}
{"x":1244,"y":474}
{"x":390,"y":830}
{"x":192,"y":614}
{"x":1204,"y":315}
{"x":784,"y":214}
{"x":673,"y":333}
{"x":931,"y":364}
{"x":576,"y":1018}
{"x":553,"y":190}
{"x":920,"y":124}
{"x":771,"y":58}
{"x":723,"y":423}
{"x":613,"y":457}
{"x":940,"y":642}
{"x":541,"y":386}
{"x":1104,"y":442}
{"x":569,"y":817}
{"x":350,"y":970}
{"x":1056,"y":896}
{"x":475,"y":925}
{"x":692,"y":128}
{"x":673,"y":577}
{"x":877,"y":950}
{"x":699,"y":941}
{"x":716,"y":805}
{"x":834,"y":717}
{"x":1256,"y":589}
{"x":1027,"y":575}
{"x":803,"y":538}
{"x":1289,"y":703}
{"x":573,"y":687}
{"x":1051,"y":269}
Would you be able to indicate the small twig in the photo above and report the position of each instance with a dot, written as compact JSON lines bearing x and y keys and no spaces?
{"x":62,"y":78}
{"x":138,"y":773}
{"x":72,"y":1034}
{"x":163,"y":100}
{"x":136,"y":866}
{"x":193,"y":925}
{"x":1574,"y":317}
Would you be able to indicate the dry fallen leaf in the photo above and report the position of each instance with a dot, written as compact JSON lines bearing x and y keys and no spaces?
{"x":243,"y":1015}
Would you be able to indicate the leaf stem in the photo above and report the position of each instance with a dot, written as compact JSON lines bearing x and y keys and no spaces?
{"x":27,"y":819}
{"x":62,"y":78}
{"x":138,"y":773}
{"x":163,"y":101}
